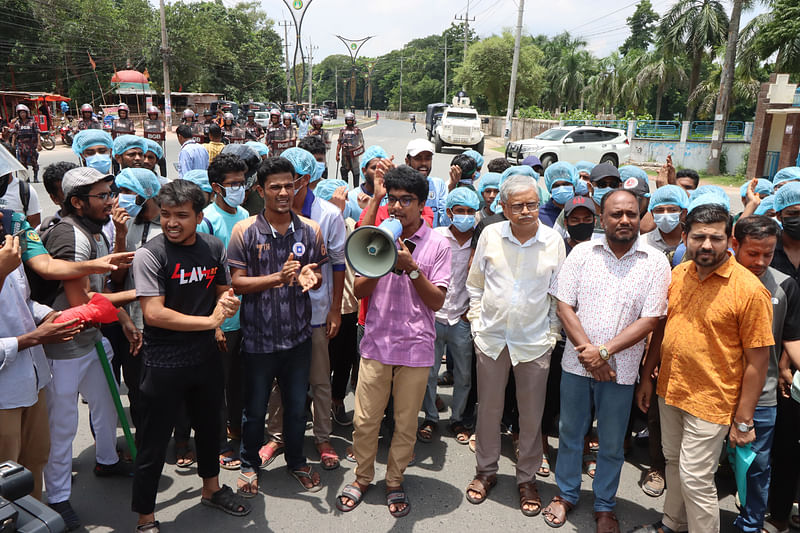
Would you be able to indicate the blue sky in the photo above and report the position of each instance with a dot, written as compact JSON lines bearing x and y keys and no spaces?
{"x":394,"y":22}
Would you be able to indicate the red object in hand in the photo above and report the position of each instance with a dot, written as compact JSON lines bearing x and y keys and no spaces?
{"x":98,"y":310}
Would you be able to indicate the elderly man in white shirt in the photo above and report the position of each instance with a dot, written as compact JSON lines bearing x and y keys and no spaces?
{"x":514,"y":323}
{"x":24,"y":434}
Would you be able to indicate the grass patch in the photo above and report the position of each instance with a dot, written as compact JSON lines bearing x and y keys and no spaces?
{"x":501,"y":149}
{"x":723,"y":181}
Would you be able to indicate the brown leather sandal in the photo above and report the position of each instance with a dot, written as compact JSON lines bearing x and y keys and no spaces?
{"x":481,"y":484}
{"x":550,"y":516}
{"x":606,"y":522}
{"x":529,"y":495}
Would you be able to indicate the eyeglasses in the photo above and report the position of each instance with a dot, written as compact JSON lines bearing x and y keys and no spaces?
{"x":102,"y":196}
{"x":518,"y":208}
{"x":405,"y":201}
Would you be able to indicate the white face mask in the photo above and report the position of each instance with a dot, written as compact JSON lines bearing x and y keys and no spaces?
{"x":667,"y":222}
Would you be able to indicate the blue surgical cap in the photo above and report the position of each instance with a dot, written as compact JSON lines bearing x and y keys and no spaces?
{"x":490,"y":180}
{"x":743,"y":189}
{"x":371,"y":153}
{"x":786,"y":174}
{"x":86,"y":138}
{"x":303,"y":162}
{"x":261,"y":148}
{"x":142,"y":181}
{"x":669,"y":195}
{"x":463,"y":196}
{"x":560,"y":171}
{"x":521,"y":170}
{"x":327,"y":187}
{"x":765,"y":205}
{"x":584,"y":166}
{"x":787,"y":196}
{"x":709,"y":189}
{"x":632,"y":171}
{"x":154,"y":147}
{"x":200,"y":178}
{"x":764,"y":187}
{"x":709,"y":198}
{"x":123,"y":143}
{"x":476,"y":156}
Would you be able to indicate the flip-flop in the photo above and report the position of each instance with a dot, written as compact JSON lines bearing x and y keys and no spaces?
{"x":300,"y":475}
{"x":181,"y":453}
{"x":269,"y":452}
{"x":225,"y":461}
{"x":395,"y":497}
{"x":249,"y":481}
{"x":352,"y":492}
{"x":328,"y":453}
{"x":589,"y":465}
{"x":544,"y":469}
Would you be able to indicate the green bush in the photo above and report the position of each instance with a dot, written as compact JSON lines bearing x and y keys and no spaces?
{"x":577,"y":114}
{"x":741,"y":170}
{"x":631,"y":115}
{"x":535,"y":111}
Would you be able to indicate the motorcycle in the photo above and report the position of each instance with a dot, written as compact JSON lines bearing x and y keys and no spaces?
{"x":67,"y":132}
{"x":48,"y":143}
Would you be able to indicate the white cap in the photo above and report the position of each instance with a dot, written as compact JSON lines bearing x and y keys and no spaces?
{"x":418,"y":146}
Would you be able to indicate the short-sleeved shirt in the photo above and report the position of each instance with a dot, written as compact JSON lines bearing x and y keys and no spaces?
{"x":610,"y":294}
{"x":138,"y":235}
{"x":781,"y":261}
{"x":220,"y":223}
{"x":188,"y":278}
{"x":709,"y":325}
{"x":276,"y":319}
{"x":65,"y":241}
{"x":785,"y":326}
{"x":400,"y":329}
{"x":456,"y":303}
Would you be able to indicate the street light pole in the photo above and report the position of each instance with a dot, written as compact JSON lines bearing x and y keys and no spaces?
{"x":165,"y":61}
{"x":400,"y":109}
{"x":514,"y":67}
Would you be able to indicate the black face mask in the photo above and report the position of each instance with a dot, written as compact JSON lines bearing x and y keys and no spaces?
{"x":581,"y":232}
{"x":791,"y":225}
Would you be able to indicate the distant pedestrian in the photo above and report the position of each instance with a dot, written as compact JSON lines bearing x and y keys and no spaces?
{"x":413,"y":123}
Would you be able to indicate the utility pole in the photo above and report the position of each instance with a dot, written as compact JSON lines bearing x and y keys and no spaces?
{"x":336,"y":84}
{"x":514,"y":66}
{"x":445,"y":48}
{"x":400,"y":109}
{"x":311,"y":49}
{"x":725,"y":89}
{"x":165,"y":60}
{"x":466,"y":20}
{"x":286,"y":24}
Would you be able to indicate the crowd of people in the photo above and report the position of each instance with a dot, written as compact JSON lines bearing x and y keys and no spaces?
{"x":561,"y":301}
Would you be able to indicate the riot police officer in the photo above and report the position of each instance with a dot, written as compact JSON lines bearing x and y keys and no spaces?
{"x":123,"y":125}
{"x":87,"y":121}
{"x":349,"y":147}
{"x":154,"y":130}
{"x":254,"y":132}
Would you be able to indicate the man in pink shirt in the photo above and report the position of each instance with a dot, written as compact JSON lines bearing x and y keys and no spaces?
{"x":397,"y":350}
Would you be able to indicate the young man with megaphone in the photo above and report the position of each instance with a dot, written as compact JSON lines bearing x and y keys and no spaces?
{"x":397,"y":350}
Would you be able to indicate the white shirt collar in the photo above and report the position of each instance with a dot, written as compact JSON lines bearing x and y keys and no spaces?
{"x":506,"y":233}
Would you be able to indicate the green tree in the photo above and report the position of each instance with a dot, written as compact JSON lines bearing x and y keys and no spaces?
{"x":642,"y":25}
{"x":487,"y":71}
{"x":661,"y":69}
{"x":779,"y":32}
{"x":693,"y":27}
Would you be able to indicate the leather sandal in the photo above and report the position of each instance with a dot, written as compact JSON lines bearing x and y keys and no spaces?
{"x":606,"y":522}
{"x":529,"y":495}
{"x":482,"y":484}
{"x":550,"y":516}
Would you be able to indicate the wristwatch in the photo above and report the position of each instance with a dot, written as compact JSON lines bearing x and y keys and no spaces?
{"x":742,"y":427}
{"x":414,"y":274}
{"x":604,"y":355}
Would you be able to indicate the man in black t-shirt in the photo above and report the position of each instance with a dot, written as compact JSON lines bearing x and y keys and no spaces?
{"x":183,"y":286}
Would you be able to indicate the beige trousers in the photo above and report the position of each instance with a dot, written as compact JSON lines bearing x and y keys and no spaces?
{"x":25,"y":439}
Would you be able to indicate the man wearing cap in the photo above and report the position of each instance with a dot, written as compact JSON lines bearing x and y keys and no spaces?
{"x":253,"y":131}
{"x":711,"y":371}
{"x":452,"y":327}
{"x":579,"y":217}
{"x":668,"y":206}
{"x":488,"y":189}
{"x":123,"y":125}
{"x":358,"y":197}
{"x":200,"y":178}
{"x":316,"y":147}
{"x":604,"y":177}
{"x":128,"y":151}
{"x":787,"y":252}
{"x":419,"y":156}
{"x":192,"y":155}
{"x":784,"y":176}
{"x":634,"y":179}
{"x":560,"y":179}
{"x":515,"y":326}
{"x":154,"y":155}
{"x":94,"y":148}
{"x":533,"y":162}
{"x":607,"y":315}
{"x":274,"y":259}
{"x":326,"y":304}
{"x":75,"y":365}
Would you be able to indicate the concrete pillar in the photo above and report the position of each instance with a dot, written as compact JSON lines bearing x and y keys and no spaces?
{"x":631,"y":130}
{"x":681,"y":155}
{"x":791,"y":141}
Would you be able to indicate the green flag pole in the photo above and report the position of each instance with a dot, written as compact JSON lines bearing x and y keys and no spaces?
{"x":112,"y":387}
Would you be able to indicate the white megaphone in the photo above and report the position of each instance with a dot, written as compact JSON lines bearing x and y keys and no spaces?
{"x":371,"y":250}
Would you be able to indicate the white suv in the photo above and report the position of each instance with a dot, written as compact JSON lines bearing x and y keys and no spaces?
{"x":460,"y":126}
{"x":573,"y":144}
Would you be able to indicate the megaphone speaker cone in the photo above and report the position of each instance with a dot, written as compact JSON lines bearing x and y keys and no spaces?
{"x":371,"y":250}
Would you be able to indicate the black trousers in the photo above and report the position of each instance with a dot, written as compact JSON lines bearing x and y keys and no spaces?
{"x":126,"y":365}
{"x":343,"y":353}
{"x":785,"y":459}
{"x":552,"y":401}
{"x":163,"y":391}
{"x":231,"y":412}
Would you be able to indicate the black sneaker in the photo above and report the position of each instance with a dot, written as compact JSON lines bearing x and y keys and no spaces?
{"x":340,"y":416}
{"x":120,"y":468}
{"x":69,"y":515}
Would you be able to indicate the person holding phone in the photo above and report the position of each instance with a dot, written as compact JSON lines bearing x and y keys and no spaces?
{"x":397,"y":349}
{"x":611,"y":294}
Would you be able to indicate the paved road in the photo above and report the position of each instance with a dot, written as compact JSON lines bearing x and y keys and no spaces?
{"x":435,"y":484}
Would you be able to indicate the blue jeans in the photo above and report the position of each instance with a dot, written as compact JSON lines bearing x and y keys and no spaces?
{"x":259,"y":370}
{"x":751,"y":517}
{"x":459,"y":341}
{"x":612,"y":404}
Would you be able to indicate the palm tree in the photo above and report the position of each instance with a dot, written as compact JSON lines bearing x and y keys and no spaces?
{"x":693,"y":27}
{"x":661,"y":68}
{"x":745,"y":88}
{"x":757,"y":42}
